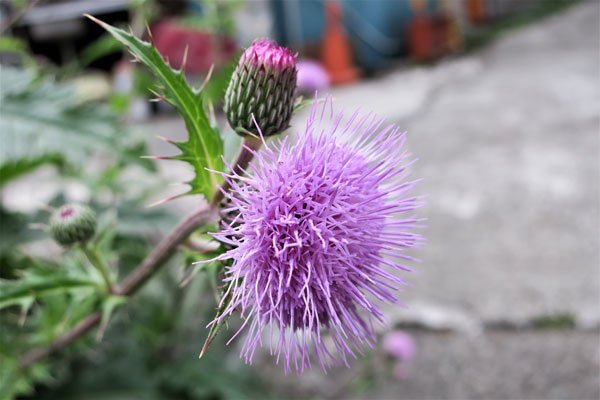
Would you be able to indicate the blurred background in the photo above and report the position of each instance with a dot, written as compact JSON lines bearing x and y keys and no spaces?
{"x":501,"y":99}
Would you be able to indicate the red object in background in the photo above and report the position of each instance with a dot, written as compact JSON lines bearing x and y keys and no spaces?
{"x":204,"y":48}
{"x":336,"y":54}
{"x":421,"y":38}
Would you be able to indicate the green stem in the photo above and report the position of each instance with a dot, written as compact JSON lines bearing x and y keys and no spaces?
{"x":91,"y":252}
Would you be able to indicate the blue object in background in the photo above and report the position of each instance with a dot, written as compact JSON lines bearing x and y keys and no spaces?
{"x":376,"y":28}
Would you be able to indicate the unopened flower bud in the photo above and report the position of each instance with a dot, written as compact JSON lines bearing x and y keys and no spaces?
{"x":264,"y":85}
{"x":72,"y":223}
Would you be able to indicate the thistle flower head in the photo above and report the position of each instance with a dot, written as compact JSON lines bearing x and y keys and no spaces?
{"x":72,"y":223}
{"x":263,"y":84}
{"x":321,"y":226}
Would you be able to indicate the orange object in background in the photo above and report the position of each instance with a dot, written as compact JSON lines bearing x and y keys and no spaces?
{"x":432,"y":36}
{"x":336,"y":54}
{"x":476,"y":11}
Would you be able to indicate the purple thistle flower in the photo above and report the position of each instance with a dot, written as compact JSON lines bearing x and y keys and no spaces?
{"x":321,"y":226}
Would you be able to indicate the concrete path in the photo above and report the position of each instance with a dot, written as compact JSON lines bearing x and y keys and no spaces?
{"x":509,"y":148}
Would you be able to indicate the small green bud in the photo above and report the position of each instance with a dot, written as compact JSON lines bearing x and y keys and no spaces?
{"x":73,"y":223}
{"x":263,"y":85}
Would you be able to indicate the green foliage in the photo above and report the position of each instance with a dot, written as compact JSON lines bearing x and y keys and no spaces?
{"x":215,"y":88}
{"x":42,"y":118}
{"x":150,"y":352}
{"x":66,"y":293}
{"x":16,"y":46}
{"x":16,"y":168}
{"x":103,"y":46}
{"x":23,"y":291}
{"x":15,"y":230}
{"x":13,"y":381}
{"x":204,"y":147}
{"x":42,"y":122}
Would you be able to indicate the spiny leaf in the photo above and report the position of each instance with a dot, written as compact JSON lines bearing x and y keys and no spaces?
{"x":203,"y":148}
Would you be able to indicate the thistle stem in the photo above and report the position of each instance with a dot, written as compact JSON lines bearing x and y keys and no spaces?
{"x":249,"y":145}
{"x":164,"y":250}
{"x":91,"y":252}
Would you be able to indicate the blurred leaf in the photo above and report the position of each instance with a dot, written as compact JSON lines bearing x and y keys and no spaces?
{"x":15,"y":168}
{"x":103,"y":46}
{"x":9,"y":44}
{"x":14,"y":381}
{"x":109,"y":305}
{"x":216,"y":86}
{"x":137,"y":151}
{"x":119,"y":102}
{"x":15,"y":229}
{"x":41,"y":117}
{"x":32,"y":285}
{"x":14,"y":82}
{"x":204,"y":147}
{"x":139,"y":221}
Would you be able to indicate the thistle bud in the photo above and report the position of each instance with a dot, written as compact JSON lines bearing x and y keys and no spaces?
{"x":72,"y":223}
{"x":264,"y":85}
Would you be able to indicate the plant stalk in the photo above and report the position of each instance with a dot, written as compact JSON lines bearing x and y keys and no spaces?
{"x":249,"y":145}
{"x":91,"y":252}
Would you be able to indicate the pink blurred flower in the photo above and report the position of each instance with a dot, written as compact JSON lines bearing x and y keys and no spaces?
{"x":311,"y":77}
{"x":399,"y":345}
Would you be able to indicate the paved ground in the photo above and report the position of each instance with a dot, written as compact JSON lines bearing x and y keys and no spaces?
{"x":509,"y":149}
{"x":497,"y":365}
{"x":508,"y":143}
